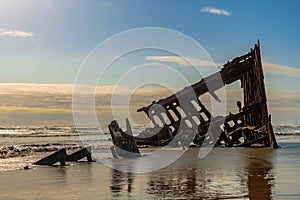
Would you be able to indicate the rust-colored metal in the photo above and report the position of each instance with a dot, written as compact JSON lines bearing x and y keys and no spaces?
{"x":248,"y":70}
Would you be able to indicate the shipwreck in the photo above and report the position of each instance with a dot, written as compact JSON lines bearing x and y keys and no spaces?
{"x":250,"y":127}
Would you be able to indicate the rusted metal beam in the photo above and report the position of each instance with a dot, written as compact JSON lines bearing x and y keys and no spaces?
{"x":125,"y":144}
{"x":191,"y":112}
{"x":85,"y":152}
{"x":59,"y":156}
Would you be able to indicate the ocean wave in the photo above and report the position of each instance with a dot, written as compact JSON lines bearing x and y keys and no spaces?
{"x":287,"y":129}
{"x":56,"y":131}
{"x":48,"y":131}
{"x":25,"y":150}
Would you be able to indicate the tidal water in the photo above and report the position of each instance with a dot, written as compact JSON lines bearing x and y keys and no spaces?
{"x":226,"y":173}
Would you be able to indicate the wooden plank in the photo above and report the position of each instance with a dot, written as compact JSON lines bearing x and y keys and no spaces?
{"x":59,"y":156}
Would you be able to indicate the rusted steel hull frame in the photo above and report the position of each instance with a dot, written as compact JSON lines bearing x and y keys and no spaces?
{"x":125,"y":144}
{"x":248,"y":70}
{"x":59,"y":156}
{"x":62,"y":156}
{"x":82,"y":153}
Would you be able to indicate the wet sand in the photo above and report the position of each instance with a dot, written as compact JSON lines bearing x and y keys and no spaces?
{"x":227,"y":173}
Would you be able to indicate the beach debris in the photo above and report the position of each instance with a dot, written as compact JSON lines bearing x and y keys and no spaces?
{"x":125,"y":144}
{"x":78,"y":155}
{"x":27,"y":167}
{"x":59,"y":156}
{"x":250,"y":127}
{"x":62,"y":156}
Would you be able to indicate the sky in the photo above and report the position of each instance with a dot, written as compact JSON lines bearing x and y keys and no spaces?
{"x":46,"y":42}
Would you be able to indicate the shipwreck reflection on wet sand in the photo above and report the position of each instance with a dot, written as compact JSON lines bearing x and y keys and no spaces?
{"x":260,"y":180}
{"x":120,"y":181}
{"x":230,"y":174}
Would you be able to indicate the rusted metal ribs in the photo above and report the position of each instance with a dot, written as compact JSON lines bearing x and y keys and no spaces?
{"x":62,"y":156}
{"x":250,"y":127}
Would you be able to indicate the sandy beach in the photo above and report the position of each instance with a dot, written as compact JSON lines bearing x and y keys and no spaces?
{"x":149,"y":100}
{"x":226,"y":173}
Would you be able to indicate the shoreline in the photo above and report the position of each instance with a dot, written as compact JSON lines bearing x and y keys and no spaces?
{"x":241,"y":173}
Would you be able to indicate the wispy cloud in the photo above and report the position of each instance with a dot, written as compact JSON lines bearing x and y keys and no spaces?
{"x":68,"y":89}
{"x":188,"y":62}
{"x":15,"y":33}
{"x":281,"y":69}
{"x":215,"y":11}
{"x":185,"y":62}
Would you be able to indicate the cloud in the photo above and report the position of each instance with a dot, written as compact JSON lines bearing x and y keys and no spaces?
{"x":280,"y":69}
{"x":23,"y":89}
{"x":33,"y":88}
{"x":15,"y":33}
{"x":185,"y":62}
{"x":42,"y":104}
{"x":215,"y":11}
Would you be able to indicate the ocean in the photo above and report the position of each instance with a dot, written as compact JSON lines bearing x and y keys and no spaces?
{"x":226,"y":173}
